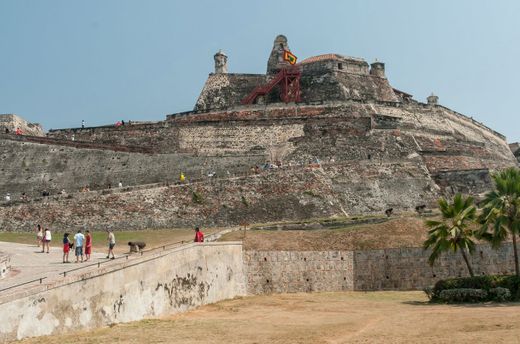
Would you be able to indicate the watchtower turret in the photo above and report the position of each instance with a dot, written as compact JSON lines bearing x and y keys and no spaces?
{"x":276,"y":61}
{"x":220,"y":62}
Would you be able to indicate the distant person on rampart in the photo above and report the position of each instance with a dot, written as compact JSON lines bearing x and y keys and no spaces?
{"x":8,"y":197}
{"x":66,"y":247}
{"x":199,"y":236}
{"x":82,"y":124}
{"x":120,"y":184}
{"x":47,"y":237}
{"x":79,"y":239}
{"x":118,"y":124}
{"x":18,"y":131}
{"x":111,"y":243}
{"x":88,"y":245}
{"x":39,"y":235}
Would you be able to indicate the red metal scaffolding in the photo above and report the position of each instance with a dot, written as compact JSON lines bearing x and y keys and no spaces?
{"x":289,"y":81}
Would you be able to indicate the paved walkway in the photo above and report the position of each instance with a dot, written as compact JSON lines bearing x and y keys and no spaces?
{"x":28,"y":263}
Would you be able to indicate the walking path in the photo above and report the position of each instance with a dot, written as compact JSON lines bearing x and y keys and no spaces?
{"x":28,"y":263}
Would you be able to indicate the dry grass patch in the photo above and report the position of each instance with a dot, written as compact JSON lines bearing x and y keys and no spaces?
{"x":400,"y":232}
{"x":343,"y":317}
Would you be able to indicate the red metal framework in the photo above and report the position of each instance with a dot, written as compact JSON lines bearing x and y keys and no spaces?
{"x":289,"y":81}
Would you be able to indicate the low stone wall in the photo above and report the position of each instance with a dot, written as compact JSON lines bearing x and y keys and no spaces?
{"x":408,"y":268}
{"x":390,"y":269}
{"x":292,"y":271}
{"x":168,"y":283}
{"x":5,"y":264}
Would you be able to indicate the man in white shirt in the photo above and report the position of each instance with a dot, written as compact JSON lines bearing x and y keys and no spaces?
{"x":79,"y":239}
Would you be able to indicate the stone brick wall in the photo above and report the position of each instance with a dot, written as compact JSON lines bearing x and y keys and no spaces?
{"x":408,"y":269}
{"x":389,"y":269}
{"x":296,"y":271}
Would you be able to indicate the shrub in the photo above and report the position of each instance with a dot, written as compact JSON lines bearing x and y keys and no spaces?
{"x":463,"y":295}
{"x":429,"y":292}
{"x":512,"y":283}
{"x":500,"y":294}
{"x":197,"y":197}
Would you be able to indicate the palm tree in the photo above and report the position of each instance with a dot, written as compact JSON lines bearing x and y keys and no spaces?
{"x":500,"y":216}
{"x":453,"y":232}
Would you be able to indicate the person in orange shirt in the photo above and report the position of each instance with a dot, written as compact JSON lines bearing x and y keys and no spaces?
{"x":199,"y":236}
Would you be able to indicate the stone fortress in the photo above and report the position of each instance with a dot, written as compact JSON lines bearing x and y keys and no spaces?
{"x":378,"y":148}
{"x":347,"y":143}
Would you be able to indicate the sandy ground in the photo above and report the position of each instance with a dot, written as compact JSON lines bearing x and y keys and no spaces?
{"x":346,"y":317}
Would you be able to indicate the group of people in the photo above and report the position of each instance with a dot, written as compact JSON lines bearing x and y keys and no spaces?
{"x":81,"y":243}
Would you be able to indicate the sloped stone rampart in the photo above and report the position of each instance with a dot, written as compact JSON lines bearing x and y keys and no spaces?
{"x":169,"y":283}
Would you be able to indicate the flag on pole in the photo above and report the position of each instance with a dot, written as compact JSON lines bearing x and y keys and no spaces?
{"x":289,"y":57}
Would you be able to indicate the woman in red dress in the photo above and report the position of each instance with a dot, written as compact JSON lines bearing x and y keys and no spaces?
{"x":88,"y":245}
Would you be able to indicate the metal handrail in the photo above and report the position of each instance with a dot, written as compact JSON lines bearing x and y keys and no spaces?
{"x":125,"y":256}
{"x":24,"y":283}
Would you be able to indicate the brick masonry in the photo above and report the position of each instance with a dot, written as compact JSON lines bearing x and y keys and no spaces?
{"x":294,"y":271}
{"x":389,"y":269}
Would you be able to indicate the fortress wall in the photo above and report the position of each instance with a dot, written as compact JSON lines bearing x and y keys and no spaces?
{"x":295,"y":193}
{"x":408,"y":269}
{"x":160,"y":135}
{"x":236,"y":138}
{"x":299,"y":271}
{"x":223,"y":90}
{"x":32,"y":168}
{"x":179,"y":280}
{"x":390,"y":269}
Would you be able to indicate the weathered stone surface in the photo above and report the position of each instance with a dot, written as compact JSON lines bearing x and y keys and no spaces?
{"x":12,"y":122}
{"x":408,"y":268}
{"x":298,"y":271}
{"x":5,"y":264}
{"x":515,"y":148}
{"x":389,"y":269}
{"x":170,"y":282}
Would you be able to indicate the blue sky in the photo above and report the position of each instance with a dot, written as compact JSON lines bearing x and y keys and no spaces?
{"x":62,"y":61}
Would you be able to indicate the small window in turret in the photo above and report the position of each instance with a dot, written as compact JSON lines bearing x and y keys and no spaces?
{"x":340,"y":65}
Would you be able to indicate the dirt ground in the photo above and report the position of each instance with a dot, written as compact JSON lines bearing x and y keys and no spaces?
{"x":399,"y":232}
{"x":342,"y":317}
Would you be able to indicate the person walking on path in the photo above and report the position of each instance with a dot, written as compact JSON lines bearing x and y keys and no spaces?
{"x":199,"y":236}
{"x":39,"y":235}
{"x":79,"y":239}
{"x":88,"y":245}
{"x":47,"y":237}
{"x":66,"y":248}
{"x":111,"y":243}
